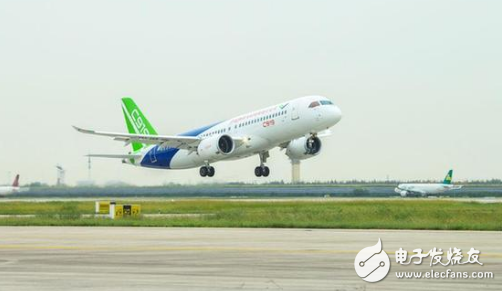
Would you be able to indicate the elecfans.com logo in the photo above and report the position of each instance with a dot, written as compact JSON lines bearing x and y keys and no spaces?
{"x":372,"y":264}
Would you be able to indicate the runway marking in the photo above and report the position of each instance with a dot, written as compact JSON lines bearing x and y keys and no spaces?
{"x":206,"y":249}
{"x":116,"y":248}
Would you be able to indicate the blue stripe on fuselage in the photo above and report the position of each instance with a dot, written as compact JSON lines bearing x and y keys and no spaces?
{"x":160,"y":158}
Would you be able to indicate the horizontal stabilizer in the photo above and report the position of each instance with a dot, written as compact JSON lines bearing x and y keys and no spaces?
{"x":114,"y":156}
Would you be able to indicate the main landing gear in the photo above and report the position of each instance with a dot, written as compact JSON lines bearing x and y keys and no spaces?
{"x":206,"y":171}
{"x":262,"y":170}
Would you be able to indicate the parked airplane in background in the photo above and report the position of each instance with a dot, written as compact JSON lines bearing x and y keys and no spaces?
{"x":295,"y":125}
{"x":427,"y":189}
{"x":7,"y":190}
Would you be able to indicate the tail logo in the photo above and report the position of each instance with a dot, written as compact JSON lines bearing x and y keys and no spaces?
{"x":283,"y":106}
{"x":16,"y":181}
{"x":139,"y":123}
{"x":372,"y":264}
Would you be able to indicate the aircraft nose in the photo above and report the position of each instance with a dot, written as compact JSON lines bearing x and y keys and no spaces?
{"x":335,"y":114}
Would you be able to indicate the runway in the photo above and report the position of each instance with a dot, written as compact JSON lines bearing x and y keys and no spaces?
{"x":243,"y":191}
{"x":86,"y":258}
{"x":282,"y":199}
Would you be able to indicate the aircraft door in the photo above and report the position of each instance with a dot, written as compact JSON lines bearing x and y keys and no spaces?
{"x":153,"y":154}
{"x":294,"y":111}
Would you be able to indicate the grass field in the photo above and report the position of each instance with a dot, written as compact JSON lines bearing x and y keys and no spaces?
{"x":372,"y":214}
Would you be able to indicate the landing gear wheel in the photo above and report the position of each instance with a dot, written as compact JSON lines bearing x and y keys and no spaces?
{"x":203,"y":171}
{"x":211,"y":171}
{"x":258,"y":171}
{"x":265,"y":171}
{"x":262,"y":170}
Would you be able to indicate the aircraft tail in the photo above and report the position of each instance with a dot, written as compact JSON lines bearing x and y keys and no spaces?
{"x":136,"y":122}
{"x":448,"y":178}
{"x":16,"y":181}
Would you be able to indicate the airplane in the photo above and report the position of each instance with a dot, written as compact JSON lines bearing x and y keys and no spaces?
{"x":295,"y":126}
{"x":427,"y":189}
{"x":7,"y":190}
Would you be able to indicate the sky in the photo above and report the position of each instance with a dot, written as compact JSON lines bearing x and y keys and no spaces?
{"x":419,"y":83}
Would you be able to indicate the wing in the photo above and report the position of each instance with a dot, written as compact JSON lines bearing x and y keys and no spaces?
{"x":114,"y":156}
{"x":324,"y":133}
{"x":181,"y":142}
{"x":417,"y":191}
{"x":413,"y":191}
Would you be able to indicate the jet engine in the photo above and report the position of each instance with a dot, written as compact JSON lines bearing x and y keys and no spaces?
{"x":401,"y":192}
{"x":216,"y":147}
{"x":303,"y":148}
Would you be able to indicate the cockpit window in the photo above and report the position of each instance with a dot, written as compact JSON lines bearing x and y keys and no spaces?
{"x":314,"y":104}
{"x":326,"y":102}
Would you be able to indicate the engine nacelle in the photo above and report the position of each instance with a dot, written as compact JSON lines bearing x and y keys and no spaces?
{"x":303,"y":148}
{"x":401,"y":192}
{"x":216,"y":147}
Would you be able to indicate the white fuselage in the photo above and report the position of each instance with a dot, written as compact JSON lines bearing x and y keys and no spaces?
{"x":8,"y":190}
{"x":424,"y":189}
{"x":261,"y":131}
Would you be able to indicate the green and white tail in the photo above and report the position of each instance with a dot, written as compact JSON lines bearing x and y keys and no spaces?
{"x":448,"y":178}
{"x":136,"y":122}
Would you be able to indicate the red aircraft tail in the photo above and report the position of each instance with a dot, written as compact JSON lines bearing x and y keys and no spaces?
{"x":16,"y":181}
